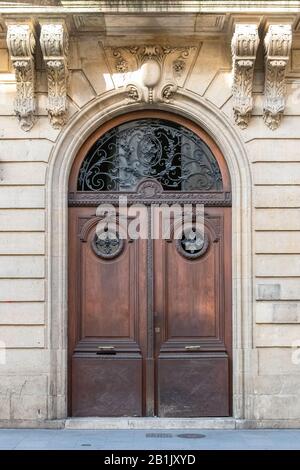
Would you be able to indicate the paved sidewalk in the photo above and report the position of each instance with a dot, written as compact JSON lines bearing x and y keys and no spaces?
{"x":50,"y":439}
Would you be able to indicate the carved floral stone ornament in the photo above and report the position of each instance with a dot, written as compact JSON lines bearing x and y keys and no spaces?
{"x":244,"y":48}
{"x":54,"y":44}
{"x":278,"y":42}
{"x":149,"y":62}
{"x":21,"y":46}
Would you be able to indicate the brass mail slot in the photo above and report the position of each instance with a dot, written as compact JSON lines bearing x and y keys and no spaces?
{"x":193,"y":348}
{"x":106,"y":350}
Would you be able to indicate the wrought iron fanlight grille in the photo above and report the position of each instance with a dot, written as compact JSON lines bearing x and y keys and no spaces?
{"x":149,"y":148}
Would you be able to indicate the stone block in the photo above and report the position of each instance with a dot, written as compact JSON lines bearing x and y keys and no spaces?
{"x":274,"y":173}
{"x":214,"y":56}
{"x":278,"y":361}
{"x":276,"y":335}
{"x":292,"y":99}
{"x":277,"y":265}
{"x":22,"y":313}
{"x":7,"y":98}
{"x":25,"y":150}
{"x":273,"y":196}
{"x":285,"y":150}
{"x":22,"y":220}
{"x":276,"y":385}
{"x":220,"y":90}
{"x":258,"y":130}
{"x":4,"y":62}
{"x":29,"y":407}
{"x":277,"y":242}
{"x":98,"y":75}
{"x":22,"y":266}
{"x":277,"y":312}
{"x":20,"y":290}
{"x":10,"y":129}
{"x":20,"y":197}
{"x":25,"y":362}
{"x":15,"y":336}
{"x":80,"y":90}
{"x":268,"y":291}
{"x":25,"y":243}
{"x":277,"y":219}
{"x":4,"y":406}
{"x":277,"y":407}
{"x":25,"y":174}
{"x":279,"y":289}
{"x":23,"y":384}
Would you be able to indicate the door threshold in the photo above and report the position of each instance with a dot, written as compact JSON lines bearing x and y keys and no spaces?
{"x":150,"y":423}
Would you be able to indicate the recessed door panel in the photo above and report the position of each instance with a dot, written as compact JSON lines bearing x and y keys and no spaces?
{"x":108,"y":288}
{"x":194,"y":385}
{"x":191,"y":293}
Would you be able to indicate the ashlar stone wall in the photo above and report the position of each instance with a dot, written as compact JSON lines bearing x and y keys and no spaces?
{"x":26,"y":391}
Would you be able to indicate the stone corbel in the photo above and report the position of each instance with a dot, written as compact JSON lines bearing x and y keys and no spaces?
{"x":244,"y":46}
{"x":54,"y":44}
{"x":21,"y":46}
{"x":278,"y":42}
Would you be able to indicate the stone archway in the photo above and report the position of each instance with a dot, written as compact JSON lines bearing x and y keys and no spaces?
{"x":78,"y":130}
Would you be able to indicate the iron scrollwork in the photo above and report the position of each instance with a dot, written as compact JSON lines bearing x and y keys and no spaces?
{"x":149,"y":148}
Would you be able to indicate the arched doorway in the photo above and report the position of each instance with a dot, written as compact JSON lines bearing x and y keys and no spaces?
{"x":149,"y":320}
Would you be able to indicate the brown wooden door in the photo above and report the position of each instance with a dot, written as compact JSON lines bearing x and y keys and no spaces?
{"x":149,"y":330}
{"x":171,"y":361}
{"x":192,"y":323}
{"x":107,"y":340}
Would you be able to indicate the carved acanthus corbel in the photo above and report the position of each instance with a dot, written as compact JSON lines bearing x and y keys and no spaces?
{"x":244,"y":48}
{"x":54,"y":44}
{"x":21,"y":46}
{"x":278,"y":42}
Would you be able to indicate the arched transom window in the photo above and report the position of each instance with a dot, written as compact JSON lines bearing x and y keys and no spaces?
{"x":149,"y":148}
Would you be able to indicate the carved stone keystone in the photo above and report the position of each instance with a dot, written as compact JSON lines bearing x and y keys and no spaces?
{"x":150,"y":59}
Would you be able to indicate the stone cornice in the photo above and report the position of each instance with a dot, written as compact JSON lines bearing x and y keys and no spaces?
{"x":142,"y":6}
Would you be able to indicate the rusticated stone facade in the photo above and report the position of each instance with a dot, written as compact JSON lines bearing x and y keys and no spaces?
{"x":65,"y":68}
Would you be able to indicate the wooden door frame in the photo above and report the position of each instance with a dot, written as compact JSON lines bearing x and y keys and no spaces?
{"x":76,"y":200}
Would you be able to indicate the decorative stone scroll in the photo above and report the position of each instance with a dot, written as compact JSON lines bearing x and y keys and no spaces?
{"x":151,"y":85}
{"x":21,"y":46}
{"x":54,"y":44}
{"x":278,"y":42}
{"x":244,"y":48}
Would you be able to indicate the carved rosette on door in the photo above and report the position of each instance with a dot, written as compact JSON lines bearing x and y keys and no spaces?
{"x":149,"y":318}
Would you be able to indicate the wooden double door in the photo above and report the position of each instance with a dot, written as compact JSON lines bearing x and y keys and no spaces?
{"x":149,"y":319}
{"x":150,"y":331}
